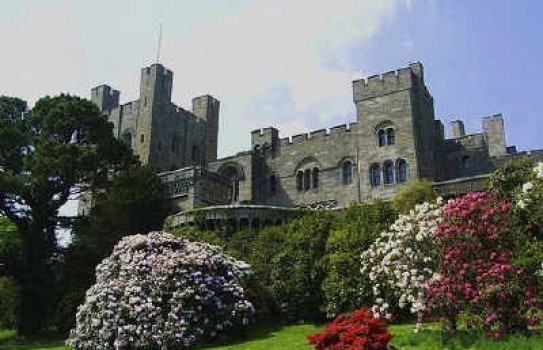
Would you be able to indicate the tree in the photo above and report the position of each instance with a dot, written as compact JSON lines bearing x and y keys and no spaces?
{"x":135,"y":202}
{"x":44,"y":153}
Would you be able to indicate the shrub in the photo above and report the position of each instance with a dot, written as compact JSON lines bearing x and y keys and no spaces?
{"x":415,"y":193}
{"x":359,"y":331}
{"x":157,"y":291}
{"x":477,"y":275}
{"x":510,"y":176}
{"x":401,"y":260}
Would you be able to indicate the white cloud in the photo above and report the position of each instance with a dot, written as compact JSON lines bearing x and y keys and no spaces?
{"x":283,"y":62}
{"x":270,"y":43}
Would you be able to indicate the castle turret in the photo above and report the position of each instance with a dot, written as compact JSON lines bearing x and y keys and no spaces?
{"x":457,"y":128}
{"x":105,"y":98}
{"x":206,"y":108}
{"x":265,"y":141}
{"x":495,"y":135}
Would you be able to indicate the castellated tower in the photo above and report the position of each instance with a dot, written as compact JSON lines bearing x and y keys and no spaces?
{"x":159,"y":132}
{"x":206,"y":108}
{"x":396,"y":125}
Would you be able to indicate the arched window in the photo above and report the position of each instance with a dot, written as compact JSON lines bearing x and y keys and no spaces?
{"x":388,"y":172}
{"x":375,"y":175}
{"x":402,"y":171}
{"x":347,"y":172}
{"x":307,"y":179}
{"x":381,"y":138}
{"x":390,"y":136}
{"x":127,"y":138}
{"x":273,"y":183}
{"x":300,"y":180}
{"x":315,"y":177}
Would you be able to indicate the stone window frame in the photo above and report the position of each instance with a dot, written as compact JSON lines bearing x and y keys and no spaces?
{"x":315,"y":178}
{"x":126,"y":137}
{"x":388,"y":172}
{"x":375,"y":174}
{"x":402,"y":170}
{"x":385,"y":134}
{"x":235,"y":173}
{"x":346,"y":169}
{"x":307,"y":170}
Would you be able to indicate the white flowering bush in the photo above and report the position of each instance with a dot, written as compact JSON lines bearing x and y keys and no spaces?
{"x":158,"y":291}
{"x":402,"y":260}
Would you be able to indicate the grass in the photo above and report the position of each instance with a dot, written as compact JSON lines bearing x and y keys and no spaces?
{"x":273,"y":337}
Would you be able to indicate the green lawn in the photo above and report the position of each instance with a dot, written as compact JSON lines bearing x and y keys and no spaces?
{"x":293,"y":337}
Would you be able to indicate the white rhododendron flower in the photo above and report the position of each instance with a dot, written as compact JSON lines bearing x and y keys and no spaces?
{"x":158,"y":291}
{"x":402,"y":259}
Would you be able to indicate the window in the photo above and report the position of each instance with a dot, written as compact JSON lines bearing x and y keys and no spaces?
{"x":127,"y":137}
{"x":142,"y":138}
{"x":273,"y":183}
{"x":388,"y":172}
{"x":375,"y":175}
{"x":381,"y":138}
{"x":347,"y":172}
{"x":402,"y":171}
{"x":390,"y":136}
{"x":307,"y":179}
{"x":300,"y":180}
{"x":315,"y":177}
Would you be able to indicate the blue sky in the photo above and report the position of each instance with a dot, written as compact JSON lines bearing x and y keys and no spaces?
{"x":284,"y":63}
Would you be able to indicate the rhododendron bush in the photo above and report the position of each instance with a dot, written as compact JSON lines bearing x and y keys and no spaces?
{"x":157,"y":291}
{"x":402,"y":259}
{"x":360,"y":331}
{"x":477,"y":274}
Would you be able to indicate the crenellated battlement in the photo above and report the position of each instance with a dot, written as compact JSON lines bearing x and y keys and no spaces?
{"x":389,"y":82}
{"x":316,"y":135}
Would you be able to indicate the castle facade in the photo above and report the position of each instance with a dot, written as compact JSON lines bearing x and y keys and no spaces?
{"x":395,"y":140}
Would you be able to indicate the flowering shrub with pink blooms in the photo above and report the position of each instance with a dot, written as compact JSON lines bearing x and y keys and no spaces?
{"x":401,"y":261}
{"x":477,"y":274}
{"x":158,"y":291}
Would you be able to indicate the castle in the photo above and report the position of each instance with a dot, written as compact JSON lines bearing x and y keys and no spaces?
{"x":395,"y":140}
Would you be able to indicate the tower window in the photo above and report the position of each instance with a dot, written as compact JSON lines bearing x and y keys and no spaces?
{"x":381,"y":140}
{"x":375,"y":175}
{"x":391,"y":138}
{"x":388,"y":172}
{"x":402,"y":171}
{"x":142,"y":138}
{"x":307,"y":179}
{"x":300,"y":180}
{"x":347,"y":172}
{"x":315,"y":177}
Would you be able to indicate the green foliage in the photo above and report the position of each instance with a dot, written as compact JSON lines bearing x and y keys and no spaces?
{"x":415,"y":193}
{"x":345,"y":288}
{"x":135,"y":202}
{"x":10,"y":300}
{"x":10,"y":248}
{"x":44,"y":153}
{"x":510,"y":177}
{"x":309,"y":267}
